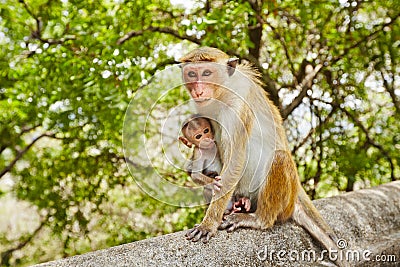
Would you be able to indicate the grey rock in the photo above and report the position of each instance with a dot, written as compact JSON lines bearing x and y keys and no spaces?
{"x":367,"y":221}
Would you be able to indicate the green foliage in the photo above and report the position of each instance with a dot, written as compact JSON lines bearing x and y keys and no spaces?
{"x":69,"y":69}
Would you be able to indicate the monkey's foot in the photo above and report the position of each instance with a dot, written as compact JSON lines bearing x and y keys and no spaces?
{"x":237,"y":220}
{"x":200,"y":232}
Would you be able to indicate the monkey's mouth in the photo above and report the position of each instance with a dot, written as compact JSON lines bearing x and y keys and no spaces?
{"x":202,"y":100}
{"x":207,"y":144}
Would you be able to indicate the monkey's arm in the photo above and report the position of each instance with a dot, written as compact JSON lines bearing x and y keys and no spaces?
{"x":201,"y":179}
{"x":197,"y":166}
{"x":204,"y":180}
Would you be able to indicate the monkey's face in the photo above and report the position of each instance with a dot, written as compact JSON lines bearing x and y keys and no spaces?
{"x":199,"y":133}
{"x":203,"y":80}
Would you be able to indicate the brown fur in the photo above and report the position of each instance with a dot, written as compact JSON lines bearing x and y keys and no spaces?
{"x":208,"y":54}
{"x":280,"y":195}
{"x":276,"y":199}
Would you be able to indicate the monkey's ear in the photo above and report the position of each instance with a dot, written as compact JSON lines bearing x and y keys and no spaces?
{"x":182,"y":64}
{"x":232,"y":62}
{"x":185,"y":141}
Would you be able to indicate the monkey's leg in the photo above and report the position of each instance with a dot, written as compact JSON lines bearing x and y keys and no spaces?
{"x":276,"y":197}
{"x":207,"y":193}
{"x":230,"y":176}
{"x":211,"y":220}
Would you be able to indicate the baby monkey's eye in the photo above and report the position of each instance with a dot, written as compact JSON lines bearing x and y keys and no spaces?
{"x":198,"y":136}
{"x":206,"y":130}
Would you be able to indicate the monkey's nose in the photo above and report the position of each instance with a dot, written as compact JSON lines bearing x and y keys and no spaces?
{"x":199,"y":93}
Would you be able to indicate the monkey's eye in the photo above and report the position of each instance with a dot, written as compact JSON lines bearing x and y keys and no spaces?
{"x":198,"y":136}
{"x":206,"y":73}
{"x":192,"y":74}
{"x":206,"y":130}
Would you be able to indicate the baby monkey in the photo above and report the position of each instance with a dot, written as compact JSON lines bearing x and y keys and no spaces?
{"x":205,"y":164}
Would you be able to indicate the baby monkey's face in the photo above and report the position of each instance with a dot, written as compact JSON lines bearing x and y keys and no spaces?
{"x":198,"y":132}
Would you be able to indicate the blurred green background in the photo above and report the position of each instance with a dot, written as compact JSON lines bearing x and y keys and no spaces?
{"x":68,"y":70}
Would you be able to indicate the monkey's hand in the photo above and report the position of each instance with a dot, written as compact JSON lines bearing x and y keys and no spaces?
{"x":202,"y":232}
{"x":216,"y":184}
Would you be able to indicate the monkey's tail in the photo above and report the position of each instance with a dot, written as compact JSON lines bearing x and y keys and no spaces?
{"x":306,"y":215}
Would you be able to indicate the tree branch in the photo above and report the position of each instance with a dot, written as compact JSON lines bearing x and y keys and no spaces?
{"x":23,"y":131}
{"x":337,"y":105}
{"x":166,"y":30}
{"x":391,"y":91}
{"x":23,"y":152}
{"x":255,"y":30}
{"x":312,"y":131}
{"x":366,"y":38}
{"x":279,"y":37}
{"x":37,"y":33}
{"x":370,"y":139}
{"x":163,"y":64}
{"x":302,"y":87}
{"x":6,"y":255}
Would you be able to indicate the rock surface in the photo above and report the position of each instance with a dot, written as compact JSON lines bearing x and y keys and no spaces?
{"x":367,"y":221}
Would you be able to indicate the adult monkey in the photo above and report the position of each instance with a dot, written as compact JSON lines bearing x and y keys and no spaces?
{"x":254,"y":150}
